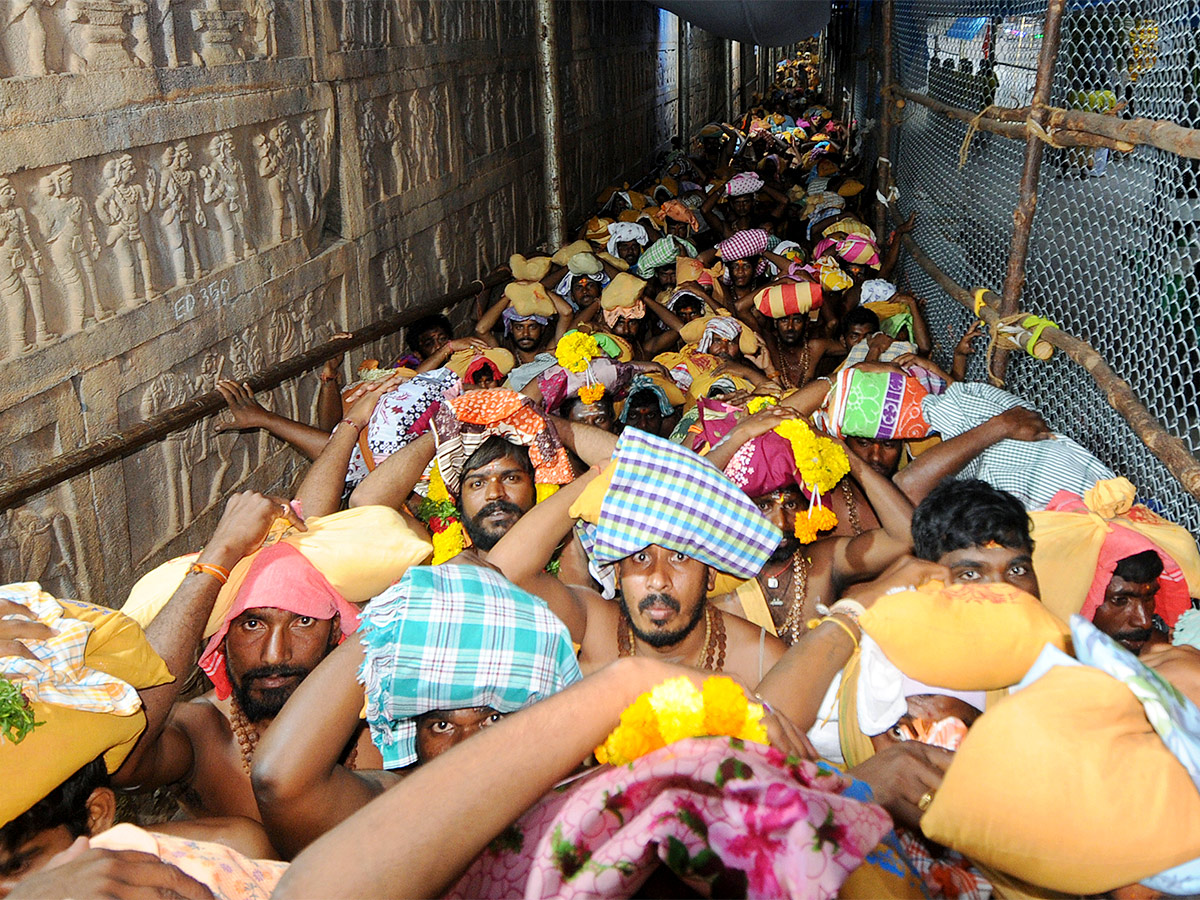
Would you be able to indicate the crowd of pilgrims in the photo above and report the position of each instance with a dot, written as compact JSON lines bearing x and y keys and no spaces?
{"x":681,"y":570}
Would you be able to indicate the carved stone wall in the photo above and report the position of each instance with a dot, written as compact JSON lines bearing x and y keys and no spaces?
{"x":194,"y":189}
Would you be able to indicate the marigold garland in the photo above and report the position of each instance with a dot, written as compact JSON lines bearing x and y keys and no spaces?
{"x":675,"y":710}
{"x":576,"y":350}
{"x":440,"y":513}
{"x":591,"y":393}
{"x":758,"y":404}
{"x":821,"y":462}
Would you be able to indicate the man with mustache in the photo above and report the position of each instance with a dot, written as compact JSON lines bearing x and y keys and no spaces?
{"x":663,"y":523}
{"x":285,"y":618}
{"x":1127,"y":612}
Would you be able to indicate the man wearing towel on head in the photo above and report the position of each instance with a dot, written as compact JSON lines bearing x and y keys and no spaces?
{"x":661,"y":522}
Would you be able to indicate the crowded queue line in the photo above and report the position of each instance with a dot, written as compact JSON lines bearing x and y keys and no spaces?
{"x":684,"y":567}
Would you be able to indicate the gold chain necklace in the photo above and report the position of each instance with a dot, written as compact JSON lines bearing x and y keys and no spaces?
{"x":790,"y":632}
{"x":788,"y":381}
{"x":851,"y":506}
{"x":712,"y":654}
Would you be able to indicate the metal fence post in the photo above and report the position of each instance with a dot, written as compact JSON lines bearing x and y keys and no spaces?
{"x":549,"y":94}
{"x":1018,"y":250}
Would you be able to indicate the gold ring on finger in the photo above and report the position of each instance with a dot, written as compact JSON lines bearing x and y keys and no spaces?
{"x":925,"y":801}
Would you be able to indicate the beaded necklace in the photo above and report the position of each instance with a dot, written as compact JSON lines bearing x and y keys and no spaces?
{"x":712,"y":653}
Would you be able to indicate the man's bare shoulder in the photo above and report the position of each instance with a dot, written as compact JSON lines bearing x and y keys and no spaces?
{"x":203,"y":717}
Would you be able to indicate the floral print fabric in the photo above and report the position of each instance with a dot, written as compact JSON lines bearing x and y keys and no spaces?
{"x":729,"y":819}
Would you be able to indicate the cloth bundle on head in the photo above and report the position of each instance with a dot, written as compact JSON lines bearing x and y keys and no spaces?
{"x":743,"y":183}
{"x":624,"y":292}
{"x":664,"y":390}
{"x":77,"y":698}
{"x":663,"y":252}
{"x":565,"y":287}
{"x":528,"y":299}
{"x":596,"y":231}
{"x":883,"y":691}
{"x":1078,"y":542}
{"x":589,"y":375}
{"x":693,"y":270}
{"x":876,"y":290}
{"x":456,"y":637}
{"x":880,"y":406}
{"x":822,"y":202}
{"x":342,"y":559}
{"x":532,"y":269}
{"x":463,"y":424}
{"x":679,"y":295}
{"x":1032,"y":471}
{"x":830,"y":274}
{"x":702,"y":331}
{"x":858,"y":250}
{"x":585,"y":263}
{"x":623,"y":232}
{"x":680,"y":212}
{"x":656,"y":492}
{"x":743,"y":245}
{"x":467,"y":363}
{"x":569,"y":250}
{"x":788,"y":299}
{"x":849,"y":225}
{"x":401,"y":416}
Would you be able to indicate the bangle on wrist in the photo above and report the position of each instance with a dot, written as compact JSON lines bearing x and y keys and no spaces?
{"x":813,"y":623}
{"x":849,"y":608}
{"x":218,"y":572}
{"x":357,"y":428}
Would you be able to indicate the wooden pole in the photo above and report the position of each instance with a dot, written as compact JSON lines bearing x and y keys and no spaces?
{"x":1018,"y":250}
{"x":112,"y":447}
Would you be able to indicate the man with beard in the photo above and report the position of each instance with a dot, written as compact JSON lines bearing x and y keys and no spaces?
{"x":664,"y":522}
{"x":795,"y":351}
{"x":284,"y":620}
{"x":784,"y":596}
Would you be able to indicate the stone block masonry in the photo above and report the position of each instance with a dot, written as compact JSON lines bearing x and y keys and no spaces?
{"x":193,"y":189}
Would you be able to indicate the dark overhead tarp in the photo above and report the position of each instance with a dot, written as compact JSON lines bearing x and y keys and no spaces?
{"x":767,"y":23}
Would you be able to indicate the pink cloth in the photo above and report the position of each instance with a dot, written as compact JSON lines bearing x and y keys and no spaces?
{"x":729,"y":819}
{"x":225,"y":872}
{"x":1172,"y":599}
{"x":280,"y":577}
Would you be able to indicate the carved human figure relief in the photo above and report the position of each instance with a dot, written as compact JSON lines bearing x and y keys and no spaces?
{"x":283,"y":343}
{"x":277,"y":166}
{"x":246,"y":360}
{"x":182,"y":212}
{"x":225,"y":188}
{"x":202,"y":438}
{"x":309,"y":162}
{"x":391,"y":270}
{"x":262,"y":12}
{"x":164,"y":18}
{"x":420,"y":129}
{"x":20,"y":275}
{"x":46,"y":548}
{"x":369,"y":136}
{"x":120,"y":206}
{"x":164,"y":392}
{"x":394,"y":138}
{"x":71,"y":239}
{"x":29,"y":14}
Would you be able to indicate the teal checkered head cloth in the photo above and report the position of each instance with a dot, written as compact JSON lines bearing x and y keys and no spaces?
{"x":456,"y":637}
{"x":662,"y":493}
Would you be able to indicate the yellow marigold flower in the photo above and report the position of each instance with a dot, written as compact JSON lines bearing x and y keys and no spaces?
{"x":448,"y":543}
{"x":754,"y":730}
{"x":590,"y":393}
{"x":724,"y":706}
{"x":680,"y":709}
{"x":576,"y":350}
{"x":823,"y":518}
{"x":758,"y":404}
{"x":437,"y":485}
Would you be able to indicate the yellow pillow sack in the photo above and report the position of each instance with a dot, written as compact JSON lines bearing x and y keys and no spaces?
{"x":966,"y":637}
{"x":360,"y":551}
{"x":67,"y":739}
{"x":1066,"y":786}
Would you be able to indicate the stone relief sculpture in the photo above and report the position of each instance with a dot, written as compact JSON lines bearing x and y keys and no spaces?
{"x":165,"y":19}
{"x":369,"y":137}
{"x":201,"y":438}
{"x":179,"y":199}
{"x":365,"y":25}
{"x":71,"y":239}
{"x":161,"y":394}
{"x":225,"y":188}
{"x":262,"y":12}
{"x":120,"y":206}
{"x":217,"y":30}
{"x":283,"y":343}
{"x":421,"y":128}
{"x":393,"y":135}
{"x":102,"y":30}
{"x":45,"y":548}
{"x":246,"y":359}
{"x":392,"y":271}
{"x":29,"y":14}
{"x":20,"y":274}
{"x":277,"y":167}
{"x":310,"y":160}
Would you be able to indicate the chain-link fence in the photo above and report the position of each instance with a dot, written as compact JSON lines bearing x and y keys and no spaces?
{"x":1113,"y":256}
